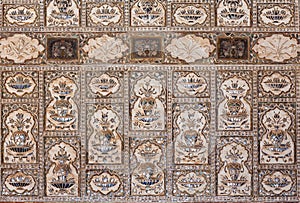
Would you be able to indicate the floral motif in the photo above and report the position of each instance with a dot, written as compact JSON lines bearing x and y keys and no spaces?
{"x":105,"y":143}
{"x":62,"y":111}
{"x":105,"y":48}
{"x":190,"y":15}
{"x":20,"y":48}
{"x":105,"y":14}
{"x":277,"y":145}
{"x":20,"y":182}
{"x":148,"y":177}
{"x":191,"y":84}
{"x":105,"y":183}
{"x":191,"y":183}
{"x":277,"y":182}
{"x":148,"y":112}
{"x":234,"y":176}
{"x":62,"y":176}
{"x":190,"y":48}
{"x":62,"y":13}
{"x":235,"y":109}
{"x":276,"y":15}
{"x":276,"y":83}
{"x":21,"y":15}
{"x":20,"y":145}
{"x":277,"y":48}
{"x":104,"y":85}
{"x":20,"y":84}
{"x":148,"y":13}
{"x":233,"y":13}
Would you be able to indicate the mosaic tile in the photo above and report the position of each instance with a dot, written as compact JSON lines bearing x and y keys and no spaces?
{"x":106,"y":183}
{"x":149,"y":101}
{"x":62,"y":12}
{"x":148,"y":96}
{"x":20,"y":85}
{"x":20,"y":182}
{"x":62,"y":175}
{"x":21,"y":15}
{"x":20,"y":131}
{"x":234,"y":165}
{"x":105,"y":134}
{"x":148,"y":175}
{"x":275,"y":182}
{"x":234,"y":109}
{"x":61,"y":111}
{"x":277,"y":133}
{"x":105,"y":14}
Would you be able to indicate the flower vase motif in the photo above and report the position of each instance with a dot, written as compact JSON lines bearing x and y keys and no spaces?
{"x":276,"y":83}
{"x":62,"y":177}
{"x":20,"y":145}
{"x":234,"y":178}
{"x":21,"y":15}
{"x":148,"y":112}
{"x":62,"y":111}
{"x":20,"y":85}
{"x":277,"y":182}
{"x":191,"y":183}
{"x":105,"y":144}
{"x":148,"y":178}
{"x":234,"y":111}
{"x":148,"y":13}
{"x":277,"y":145}
{"x":105,"y":183}
{"x":191,"y":145}
{"x":62,"y":13}
{"x":233,"y":13}
{"x":20,"y":182}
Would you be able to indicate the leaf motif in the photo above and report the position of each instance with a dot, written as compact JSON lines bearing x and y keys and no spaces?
{"x":190,"y":48}
{"x":277,"y":48}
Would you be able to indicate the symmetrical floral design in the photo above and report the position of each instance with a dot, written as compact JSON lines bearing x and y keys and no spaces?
{"x":191,"y":141}
{"x":277,"y":182}
{"x":104,"y":85}
{"x":105,"y":48}
{"x":20,"y":145}
{"x":234,"y":111}
{"x":62,"y":111}
{"x":190,"y":48}
{"x":105,"y":143}
{"x":20,"y":182}
{"x":20,"y":48}
{"x":233,"y":13}
{"x":148,"y":13}
{"x":276,"y":15}
{"x":105,"y":183}
{"x":62,"y":13}
{"x":234,"y":175}
{"x":20,"y":84}
{"x":62,"y":176}
{"x":105,"y":14}
{"x":276,"y":144}
{"x":148,"y":177}
{"x":21,"y":15}
{"x":277,"y":48}
{"x":190,"y":15}
{"x":148,"y":112}
{"x":191,"y":84}
{"x":276,"y":83}
{"x":191,"y":183}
